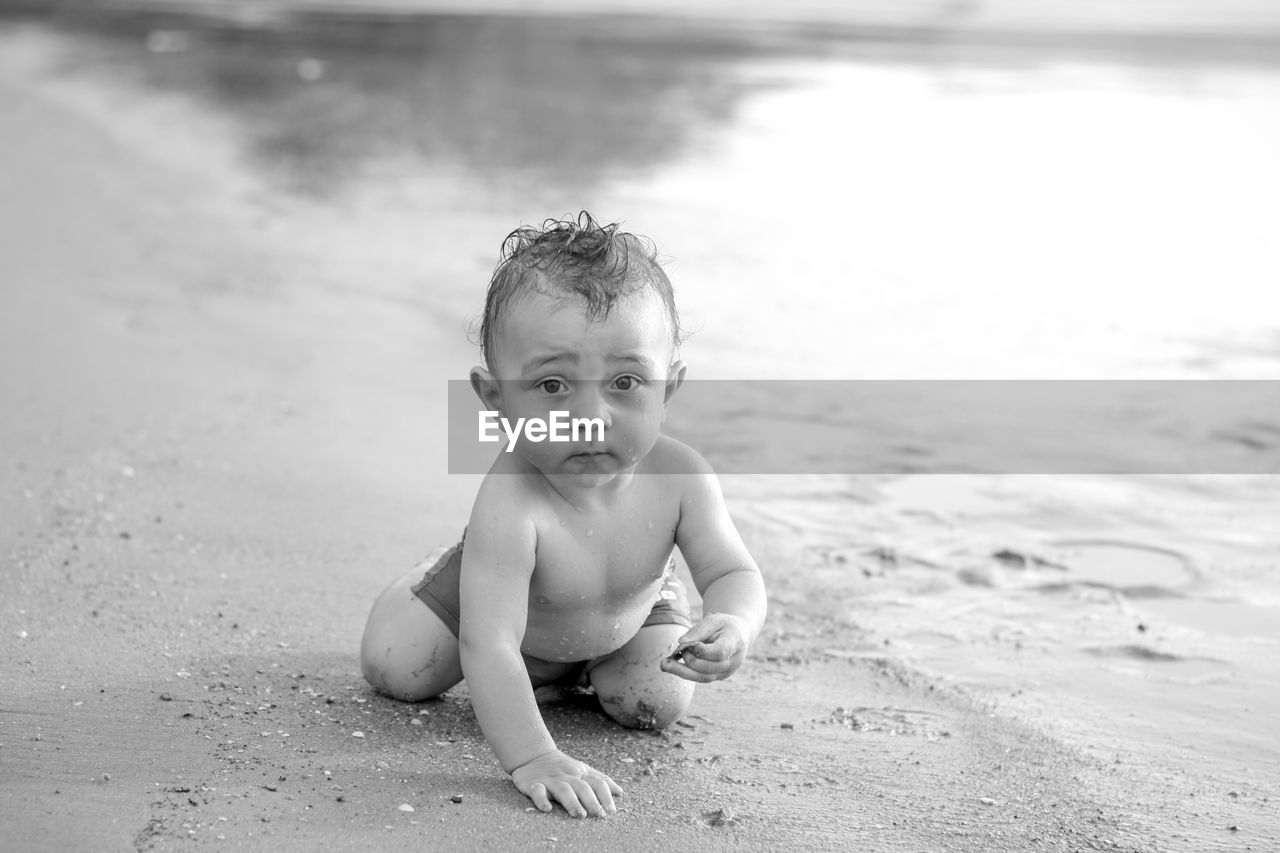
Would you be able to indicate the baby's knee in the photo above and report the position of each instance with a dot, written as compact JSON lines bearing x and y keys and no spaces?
{"x":406,"y":671}
{"x":386,"y":666}
{"x":652,"y":706}
{"x":406,"y":651}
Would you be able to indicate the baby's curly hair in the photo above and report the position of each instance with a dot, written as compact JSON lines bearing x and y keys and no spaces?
{"x":574,"y":257}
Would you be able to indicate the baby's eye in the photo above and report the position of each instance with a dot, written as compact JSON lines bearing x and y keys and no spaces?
{"x":550,"y":386}
{"x":627,"y":382}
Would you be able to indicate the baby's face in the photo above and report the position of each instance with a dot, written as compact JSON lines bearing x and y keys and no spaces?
{"x":550,"y":357}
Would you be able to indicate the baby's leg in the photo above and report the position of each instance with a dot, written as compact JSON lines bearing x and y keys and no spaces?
{"x":633,"y":689}
{"x":407,"y":651}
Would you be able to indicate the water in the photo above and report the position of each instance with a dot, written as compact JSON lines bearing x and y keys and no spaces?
{"x":835,"y":209}
{"x":832,"y":209}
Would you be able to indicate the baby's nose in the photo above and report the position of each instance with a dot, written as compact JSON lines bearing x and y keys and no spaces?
{"x":592,"y":404}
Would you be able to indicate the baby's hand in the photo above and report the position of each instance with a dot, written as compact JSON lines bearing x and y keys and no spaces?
{"x":709,"y":651}
{"x":578,"y":787}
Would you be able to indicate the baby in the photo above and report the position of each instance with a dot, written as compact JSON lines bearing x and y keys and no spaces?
{"x":565,"y":571}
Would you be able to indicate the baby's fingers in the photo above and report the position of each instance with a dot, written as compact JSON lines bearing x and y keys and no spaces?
{"x":565,"y":794}
{"x":604,"y":789}
{"x":538,"y":793}
{"x":697,"y":670}
{"x":590,"y":799}
{"x":717,"y":651}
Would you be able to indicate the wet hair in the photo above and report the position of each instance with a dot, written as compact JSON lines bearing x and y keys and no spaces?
{"x":567,"y":258}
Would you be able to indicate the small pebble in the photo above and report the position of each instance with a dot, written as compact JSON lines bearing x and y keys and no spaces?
{"x":416,"y":721}
{"x":405,"y":807}
{"x":456,"y":798}
{"x":357,"y":734}
{"x":787,"y":726}
{"x":986,"y":801}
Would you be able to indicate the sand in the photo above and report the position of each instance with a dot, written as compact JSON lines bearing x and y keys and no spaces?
{"x":215,"y":455}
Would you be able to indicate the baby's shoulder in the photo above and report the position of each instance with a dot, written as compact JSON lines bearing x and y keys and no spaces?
{"x":507,"y":490}
{"x":670,"y":456}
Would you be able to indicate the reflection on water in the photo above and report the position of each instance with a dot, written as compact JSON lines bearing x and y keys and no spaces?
{"x":837,"y":206}
{"x":327,"y":101}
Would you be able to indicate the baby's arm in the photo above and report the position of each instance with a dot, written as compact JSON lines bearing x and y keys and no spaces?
{"x":498,"y":561}
{"x":733,"y":595}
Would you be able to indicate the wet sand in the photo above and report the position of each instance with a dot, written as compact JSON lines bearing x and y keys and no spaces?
{"x":223,"y":450}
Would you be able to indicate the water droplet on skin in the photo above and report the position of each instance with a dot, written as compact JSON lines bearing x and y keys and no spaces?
{"x":590,"y":532}
{"x":650,"y":525}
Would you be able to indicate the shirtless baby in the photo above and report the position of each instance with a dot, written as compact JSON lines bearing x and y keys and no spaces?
{"x":565,"y":567}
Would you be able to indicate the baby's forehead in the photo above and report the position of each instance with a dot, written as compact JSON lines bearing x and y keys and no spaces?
{"x":542,"y":326}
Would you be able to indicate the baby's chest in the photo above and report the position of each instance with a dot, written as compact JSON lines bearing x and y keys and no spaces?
{"x":596,"y":570}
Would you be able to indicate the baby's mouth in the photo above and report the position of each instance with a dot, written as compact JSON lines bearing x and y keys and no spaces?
{"x":589,"y":455}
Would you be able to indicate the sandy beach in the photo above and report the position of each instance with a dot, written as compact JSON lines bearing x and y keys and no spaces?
{"x":223,"y":435}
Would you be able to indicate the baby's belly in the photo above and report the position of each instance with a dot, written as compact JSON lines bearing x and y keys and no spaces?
{"x":575,"y":635}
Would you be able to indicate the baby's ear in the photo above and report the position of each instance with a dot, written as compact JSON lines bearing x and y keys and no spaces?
{"x":487,"y":388}
{"x":675,"y":378}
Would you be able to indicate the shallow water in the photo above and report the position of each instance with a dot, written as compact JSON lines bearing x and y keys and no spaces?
{"x":835,"y":209}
